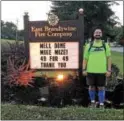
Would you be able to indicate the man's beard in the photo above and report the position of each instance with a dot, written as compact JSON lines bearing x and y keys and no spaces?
{"x":97,"y":37}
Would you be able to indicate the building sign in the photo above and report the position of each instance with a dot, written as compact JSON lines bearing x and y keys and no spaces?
{"x":54,"y":44}
{"x":42,"y":31}
{"x":54,"y":55}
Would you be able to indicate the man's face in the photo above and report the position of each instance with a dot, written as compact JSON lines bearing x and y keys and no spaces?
{"x":97,"y":34}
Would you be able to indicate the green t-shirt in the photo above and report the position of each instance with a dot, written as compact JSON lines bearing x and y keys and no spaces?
{"x":97,"y":61}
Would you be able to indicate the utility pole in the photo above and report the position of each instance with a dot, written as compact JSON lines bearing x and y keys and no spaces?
{"x":16,"y":41}
{"x":16,"y":30}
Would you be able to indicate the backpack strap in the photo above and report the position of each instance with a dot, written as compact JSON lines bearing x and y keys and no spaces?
{"x":104,"y":45}
{"x":91,"y":44}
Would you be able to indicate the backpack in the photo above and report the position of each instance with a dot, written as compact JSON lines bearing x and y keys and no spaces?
{"x":103,"y":45}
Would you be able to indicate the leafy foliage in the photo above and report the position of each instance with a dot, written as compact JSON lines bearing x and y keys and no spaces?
{"x":16,"y":51}
{"x":115,"y":33}
{"x":113,"y":80}
{"x":13,"y":68}
{"x":95,"y":13}
{"x":21,"y":76}
{"x":9,"y":31}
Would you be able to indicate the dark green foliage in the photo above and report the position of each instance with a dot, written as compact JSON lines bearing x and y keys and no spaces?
{"x":19,"y":94}
{"x":25,"y":95}
{"x":15,"y":51}
{"x":95,"y":13}
{"x":113,"y":81}
{"x":9,"y":31}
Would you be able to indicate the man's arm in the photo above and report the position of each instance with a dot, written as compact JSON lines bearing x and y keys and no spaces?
{"x":84,"y":64}
{"x":109,"y":62}
{"x":85,"y":57}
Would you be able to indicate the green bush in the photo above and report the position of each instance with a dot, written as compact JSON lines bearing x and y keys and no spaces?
{"x":112,"y":81}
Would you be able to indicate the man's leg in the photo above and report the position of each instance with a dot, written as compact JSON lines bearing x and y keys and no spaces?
{"x":101,"y":95}
{"x":101,"y":81}
{"x":91,"y":83}
{"x":92,"y":92}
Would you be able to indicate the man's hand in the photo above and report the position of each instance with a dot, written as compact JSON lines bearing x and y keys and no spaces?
{"x":108,"y":74}
{"x":84,"y":73}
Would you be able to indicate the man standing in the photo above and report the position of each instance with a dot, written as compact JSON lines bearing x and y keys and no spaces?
{"x":97,"y":66}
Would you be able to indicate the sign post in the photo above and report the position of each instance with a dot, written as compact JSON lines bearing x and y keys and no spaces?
{"x":26,"y":37}
{"x":81,"y":21}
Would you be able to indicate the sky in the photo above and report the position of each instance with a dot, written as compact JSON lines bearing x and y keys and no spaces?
{"x":14,"y":10}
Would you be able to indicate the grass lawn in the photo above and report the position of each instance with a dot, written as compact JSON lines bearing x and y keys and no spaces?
{"x":26,"y":112}
{"x":3,"y":41}
{"x":117,"y":58}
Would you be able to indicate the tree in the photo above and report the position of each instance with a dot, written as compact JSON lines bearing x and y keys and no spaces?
{"x":8,"y":31}
{"x":95,"y":13}
{"x":20,"y":34}
{"x":119,"y":33}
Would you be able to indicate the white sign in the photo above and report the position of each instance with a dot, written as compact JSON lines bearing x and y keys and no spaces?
{"x":54,"y":55}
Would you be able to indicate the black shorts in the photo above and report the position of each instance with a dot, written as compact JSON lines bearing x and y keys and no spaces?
{"x":96,"y":79}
